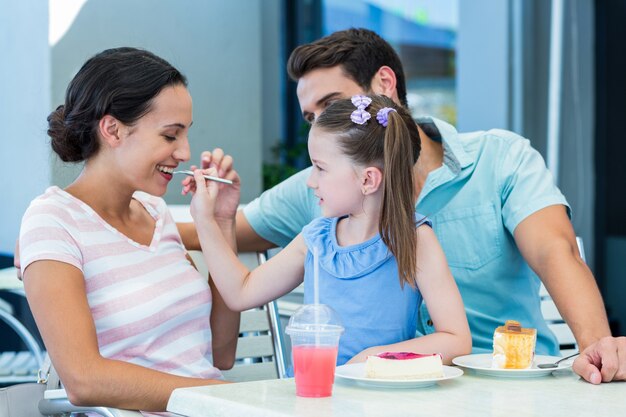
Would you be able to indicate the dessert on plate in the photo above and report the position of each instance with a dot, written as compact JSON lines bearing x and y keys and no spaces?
{"x":404,"y":365}
{"x":513,"y":346}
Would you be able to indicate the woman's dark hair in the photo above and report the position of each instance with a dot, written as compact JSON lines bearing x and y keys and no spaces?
{"x":120,"y":82}
{"x":395,"y":150}
{"x":360,"y":52}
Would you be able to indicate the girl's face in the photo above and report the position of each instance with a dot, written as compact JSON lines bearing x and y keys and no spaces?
{"x":157,"y":142}
{"x":334,"y":178}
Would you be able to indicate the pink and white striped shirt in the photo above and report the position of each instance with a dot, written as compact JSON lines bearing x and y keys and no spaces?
{"x":149,"y":304}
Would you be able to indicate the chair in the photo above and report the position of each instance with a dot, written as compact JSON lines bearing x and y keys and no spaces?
{"x":564,"y":335}
{"x":19,"y":366}
{"x":256,"y":356}
{"x":26,"y":360}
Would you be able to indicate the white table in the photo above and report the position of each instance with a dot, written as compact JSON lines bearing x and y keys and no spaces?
{"x":561,"y":394}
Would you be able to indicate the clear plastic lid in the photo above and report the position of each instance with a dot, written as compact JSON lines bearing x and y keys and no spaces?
{"x":314,"y":318}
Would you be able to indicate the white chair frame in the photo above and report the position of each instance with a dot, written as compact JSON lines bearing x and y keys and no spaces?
{"x":6,"y":315}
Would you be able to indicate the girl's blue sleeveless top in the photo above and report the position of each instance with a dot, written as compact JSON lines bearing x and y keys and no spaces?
{"x":361,"y":283}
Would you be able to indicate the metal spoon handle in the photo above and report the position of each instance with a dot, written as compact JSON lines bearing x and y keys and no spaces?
{"x":555,"y":364}
{"x":566,"y":358}
{"x":208,"y":177}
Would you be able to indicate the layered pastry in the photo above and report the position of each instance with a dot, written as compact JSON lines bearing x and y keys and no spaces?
{"x":404,"y":365}
{"x":513,"y":346}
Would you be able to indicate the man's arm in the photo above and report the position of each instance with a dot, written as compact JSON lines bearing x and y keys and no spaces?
{"x":189,"y":235}
{"x":547,"y":241}
{"x":247,"y":239}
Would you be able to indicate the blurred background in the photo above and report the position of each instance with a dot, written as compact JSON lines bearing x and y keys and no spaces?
{"x":477,"y":64}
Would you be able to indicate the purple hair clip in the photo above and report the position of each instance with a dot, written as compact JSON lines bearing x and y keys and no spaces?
{"x":383,"y":115}
{"x":360,"y":116}
{"x":361,"y":102}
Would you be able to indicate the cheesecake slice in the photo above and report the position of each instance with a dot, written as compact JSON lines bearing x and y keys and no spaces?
{"x":404,"y":365}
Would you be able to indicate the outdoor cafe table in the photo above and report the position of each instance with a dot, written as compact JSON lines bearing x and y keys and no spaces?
{"x":560,"y":394}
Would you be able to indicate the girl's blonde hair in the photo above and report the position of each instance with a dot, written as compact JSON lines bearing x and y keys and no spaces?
{"x":394,"y":149}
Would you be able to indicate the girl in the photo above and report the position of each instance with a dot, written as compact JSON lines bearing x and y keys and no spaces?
{"x":378,"y":260}
{"x":122,"y":312}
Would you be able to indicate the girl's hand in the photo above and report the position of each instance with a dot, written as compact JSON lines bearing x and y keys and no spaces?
{"x":226,"y":207}
{"x":204,"y":194}
{"x":205,"y":202}
{"x":216,"y":159}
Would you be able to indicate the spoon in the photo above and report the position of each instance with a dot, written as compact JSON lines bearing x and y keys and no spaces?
{"x":555,"y":364}
{"x":208,"y":177}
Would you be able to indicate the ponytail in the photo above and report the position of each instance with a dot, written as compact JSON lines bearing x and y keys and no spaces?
{"x":397,"y":216}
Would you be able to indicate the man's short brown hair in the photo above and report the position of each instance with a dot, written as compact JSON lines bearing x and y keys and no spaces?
{"x":360,"y":52}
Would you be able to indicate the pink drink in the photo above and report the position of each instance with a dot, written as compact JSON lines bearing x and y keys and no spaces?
{"x":314,"y":370}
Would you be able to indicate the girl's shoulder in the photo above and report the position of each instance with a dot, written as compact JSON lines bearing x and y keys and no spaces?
{"x":318,"y":230}
{"x":343,"y":262}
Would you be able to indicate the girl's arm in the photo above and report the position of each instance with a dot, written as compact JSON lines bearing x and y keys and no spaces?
{"x":57,"y":297}
{"x":240,"y":288}
{"x":452,"y":336}
{"x":224,"y":322}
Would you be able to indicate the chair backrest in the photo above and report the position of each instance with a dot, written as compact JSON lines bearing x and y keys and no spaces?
{"x":21,"y":366}
{"x":255,"y":356}
{"x":564,"y":335}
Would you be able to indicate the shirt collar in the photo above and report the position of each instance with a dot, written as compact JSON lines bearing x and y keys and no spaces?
{"x":454,"y":155}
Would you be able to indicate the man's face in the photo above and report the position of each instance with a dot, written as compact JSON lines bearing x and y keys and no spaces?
{"x":317,"y":89}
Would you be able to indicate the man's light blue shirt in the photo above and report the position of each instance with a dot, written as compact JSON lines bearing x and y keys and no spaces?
{"x":489,"y":182}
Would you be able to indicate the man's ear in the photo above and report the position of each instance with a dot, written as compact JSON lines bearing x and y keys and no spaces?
{"x":110,"y":130}
{"x":371,"y":179}
{"x":385,"y":82}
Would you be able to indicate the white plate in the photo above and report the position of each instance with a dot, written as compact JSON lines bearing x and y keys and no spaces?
{"x":481,"y":364}
{"x":355,"y":372}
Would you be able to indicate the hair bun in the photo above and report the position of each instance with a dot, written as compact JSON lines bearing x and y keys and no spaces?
{"x":62,"y":144}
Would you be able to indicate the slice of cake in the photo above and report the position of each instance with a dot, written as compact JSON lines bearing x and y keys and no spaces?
{"x":513,"y":346}
{"x":403,"y":365}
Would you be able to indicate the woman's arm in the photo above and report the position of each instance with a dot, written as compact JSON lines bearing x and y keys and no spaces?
{"x":57,"y":297}
{"x":452,"y":336}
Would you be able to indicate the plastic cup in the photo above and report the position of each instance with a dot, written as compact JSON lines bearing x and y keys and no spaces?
{"x":314,"y":330}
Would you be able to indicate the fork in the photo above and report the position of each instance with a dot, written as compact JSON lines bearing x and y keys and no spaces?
{"x":208,"y":177}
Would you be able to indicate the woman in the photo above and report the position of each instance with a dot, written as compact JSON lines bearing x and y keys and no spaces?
{"x":123,"y":313}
